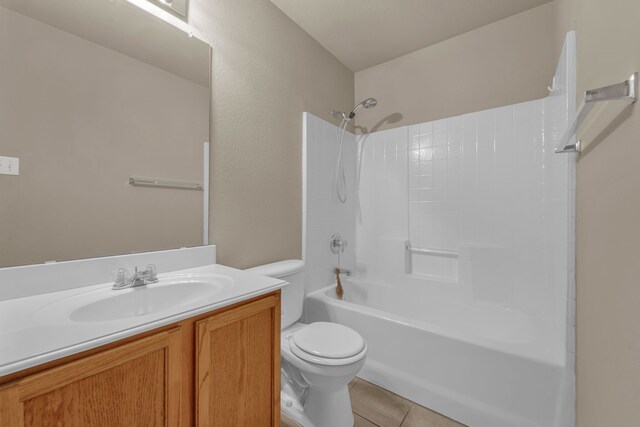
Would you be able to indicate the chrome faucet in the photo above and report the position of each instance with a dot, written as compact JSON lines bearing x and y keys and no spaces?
{"x":138,"y":278}
{"x":337,"y":244}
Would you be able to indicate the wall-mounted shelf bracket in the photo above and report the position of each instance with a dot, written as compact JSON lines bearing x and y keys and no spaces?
{"x":165,"y":183}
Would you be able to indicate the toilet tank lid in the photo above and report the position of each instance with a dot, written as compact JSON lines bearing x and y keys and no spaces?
{"x":279,"y":269}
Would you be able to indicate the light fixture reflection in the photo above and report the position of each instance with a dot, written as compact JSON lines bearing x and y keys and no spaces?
{"x":162,"y":14}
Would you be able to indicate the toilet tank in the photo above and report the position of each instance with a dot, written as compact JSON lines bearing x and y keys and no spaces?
{"x":292,"y":271}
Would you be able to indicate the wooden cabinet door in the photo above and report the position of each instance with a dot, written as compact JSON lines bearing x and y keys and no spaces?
{"x":238,"y":366}
{"x":135,"y":384}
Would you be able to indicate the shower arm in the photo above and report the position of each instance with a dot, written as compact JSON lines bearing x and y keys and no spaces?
{"x":341,"y":114}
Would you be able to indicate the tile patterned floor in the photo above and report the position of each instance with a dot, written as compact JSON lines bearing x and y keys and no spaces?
{"x":376,"y":407}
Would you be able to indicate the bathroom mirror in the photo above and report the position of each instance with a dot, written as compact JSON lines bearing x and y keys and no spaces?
{"x":92,"y":93}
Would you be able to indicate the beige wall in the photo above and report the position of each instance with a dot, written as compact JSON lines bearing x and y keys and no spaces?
{"x":503,"y":63}
{"x":608,"y":209}
{"x":83,"y":119}
{"x":267,"y":72}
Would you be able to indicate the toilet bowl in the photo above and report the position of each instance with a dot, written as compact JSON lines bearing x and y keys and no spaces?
{"x":322,"y":398}
{"x":317,"y":360}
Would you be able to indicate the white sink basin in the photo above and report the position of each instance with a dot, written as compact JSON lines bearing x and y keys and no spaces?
{"x":142,"y":301}
{"x":170,"y":293}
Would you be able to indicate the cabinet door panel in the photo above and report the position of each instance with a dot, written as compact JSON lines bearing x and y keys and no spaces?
{"x":136,"y":384}
{"x":238,"y":366}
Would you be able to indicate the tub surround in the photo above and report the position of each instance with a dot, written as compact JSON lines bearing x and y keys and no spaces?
{"x":481,"y":310}
{"x":35,"y":325}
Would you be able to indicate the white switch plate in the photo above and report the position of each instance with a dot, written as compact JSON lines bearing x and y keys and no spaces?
{"x":9,"y":166}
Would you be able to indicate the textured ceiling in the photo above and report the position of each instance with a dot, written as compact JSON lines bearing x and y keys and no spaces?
{"x":364,"y":33}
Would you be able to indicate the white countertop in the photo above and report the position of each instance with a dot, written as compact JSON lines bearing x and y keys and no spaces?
{"x":38,"y":329}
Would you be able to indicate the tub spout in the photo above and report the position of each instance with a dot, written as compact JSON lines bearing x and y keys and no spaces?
{"x":339,"y":289}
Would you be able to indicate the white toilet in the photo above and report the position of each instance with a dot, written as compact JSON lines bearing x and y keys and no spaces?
{"x":318,"y":360}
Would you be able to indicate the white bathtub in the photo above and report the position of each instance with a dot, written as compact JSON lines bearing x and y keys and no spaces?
{"x":481,"y":364}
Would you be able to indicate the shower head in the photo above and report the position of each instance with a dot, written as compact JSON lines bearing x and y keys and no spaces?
{"x":367,"y":103}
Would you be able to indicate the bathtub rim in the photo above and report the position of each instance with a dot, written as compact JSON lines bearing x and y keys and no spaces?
{"x":556,"y":358}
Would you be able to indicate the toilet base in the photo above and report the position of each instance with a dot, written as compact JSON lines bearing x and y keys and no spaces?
{"x":292,"y":409}
{"x":323,"y":408}
{"x":329,"y":408}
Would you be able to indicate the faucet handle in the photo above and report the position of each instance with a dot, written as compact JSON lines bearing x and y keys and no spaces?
{"x":337,"y":244}
{"x":151,"y":272}
{"x":120,"y":277}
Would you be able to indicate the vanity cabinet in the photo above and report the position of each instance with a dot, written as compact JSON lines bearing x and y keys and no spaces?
{"x":135,"y":384}
{"x":217,"y":369}
{"x":238,"y":367}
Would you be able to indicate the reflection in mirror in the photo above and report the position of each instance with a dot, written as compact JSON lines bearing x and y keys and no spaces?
{"x":180,"y":8}
{"x":93,"y":92}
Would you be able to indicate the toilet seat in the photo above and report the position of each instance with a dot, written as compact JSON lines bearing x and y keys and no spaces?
{"x":327,"y":343}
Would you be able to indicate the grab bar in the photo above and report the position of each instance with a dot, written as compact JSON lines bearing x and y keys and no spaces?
{"x":408,"y":250}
